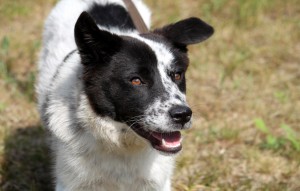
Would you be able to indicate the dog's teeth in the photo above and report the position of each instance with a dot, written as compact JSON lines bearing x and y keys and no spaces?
{"x":165,"y":144}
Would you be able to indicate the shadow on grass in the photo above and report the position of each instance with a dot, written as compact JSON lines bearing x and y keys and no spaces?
{"x":26,"y":161}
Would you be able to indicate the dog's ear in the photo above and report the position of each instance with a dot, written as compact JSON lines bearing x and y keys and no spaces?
{"x":185,"y":32}
{"x":94,"y":44}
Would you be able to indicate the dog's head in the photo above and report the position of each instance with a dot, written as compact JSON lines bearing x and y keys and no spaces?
{"x":140,"y":79}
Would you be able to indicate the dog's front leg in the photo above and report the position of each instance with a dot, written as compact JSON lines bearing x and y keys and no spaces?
{"x":167,"y":186}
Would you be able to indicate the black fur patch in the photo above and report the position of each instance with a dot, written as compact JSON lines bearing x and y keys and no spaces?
{"x":111,"y":15}
{"x":109,"y":87}
{"x":185,"y":32}
{"x":94,"y":45}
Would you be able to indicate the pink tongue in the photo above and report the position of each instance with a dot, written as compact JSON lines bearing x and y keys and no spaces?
{"x":172,"y":138}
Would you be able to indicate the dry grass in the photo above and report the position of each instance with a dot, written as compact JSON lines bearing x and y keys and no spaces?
{"x":244,"y":86}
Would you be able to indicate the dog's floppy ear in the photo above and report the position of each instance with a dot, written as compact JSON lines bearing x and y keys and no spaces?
{"x":94,"y":44}
{"x":185,"y":32}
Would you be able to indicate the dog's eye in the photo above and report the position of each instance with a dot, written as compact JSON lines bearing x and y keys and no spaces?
{"x":136,"y":81}
{"x":177,"y":76}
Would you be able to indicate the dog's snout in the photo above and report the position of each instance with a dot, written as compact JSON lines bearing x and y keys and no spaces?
{"x":180,"y":114}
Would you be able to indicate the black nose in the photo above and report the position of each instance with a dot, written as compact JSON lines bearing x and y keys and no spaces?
{"x":180,"y":114}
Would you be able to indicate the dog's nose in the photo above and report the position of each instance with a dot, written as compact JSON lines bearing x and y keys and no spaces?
{"x":181,"y":114}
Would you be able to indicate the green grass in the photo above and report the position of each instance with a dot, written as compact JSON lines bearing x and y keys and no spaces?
{"x":25,"y":85}
{"x":13,"y":9}
{"x":4,"y":48}
{"x":243,"y":86}
{"x":271,"y":141}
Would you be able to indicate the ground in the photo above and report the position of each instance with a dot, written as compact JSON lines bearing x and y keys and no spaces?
{"x":243,"y":86}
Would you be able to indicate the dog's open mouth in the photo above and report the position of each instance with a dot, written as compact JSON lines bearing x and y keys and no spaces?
{"x":168,"y":142}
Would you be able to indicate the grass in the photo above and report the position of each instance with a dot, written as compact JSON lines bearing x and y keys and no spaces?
{"x":273,"y":142}
{"x":243,"y":86}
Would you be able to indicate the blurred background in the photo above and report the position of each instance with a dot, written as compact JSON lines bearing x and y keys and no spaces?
{"x":243,"y":86}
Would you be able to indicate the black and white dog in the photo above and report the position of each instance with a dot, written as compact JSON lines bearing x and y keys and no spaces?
{"x":113,"y":99}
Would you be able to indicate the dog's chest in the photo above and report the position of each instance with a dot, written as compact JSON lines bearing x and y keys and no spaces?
{"x":136,"y":172}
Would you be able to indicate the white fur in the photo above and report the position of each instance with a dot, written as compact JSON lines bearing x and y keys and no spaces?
{"x":91,"y":153}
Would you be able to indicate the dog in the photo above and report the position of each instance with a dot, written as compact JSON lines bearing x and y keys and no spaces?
{"x":112,"y":99}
